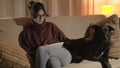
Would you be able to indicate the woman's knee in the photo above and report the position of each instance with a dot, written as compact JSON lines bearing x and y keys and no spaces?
{"x":53,"y":62}
{"x":62,"y":54}
{"x":65,"y":58}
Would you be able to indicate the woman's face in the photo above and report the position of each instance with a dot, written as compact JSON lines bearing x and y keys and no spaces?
{"x":41,"y":12}
{"x":40,"y":17}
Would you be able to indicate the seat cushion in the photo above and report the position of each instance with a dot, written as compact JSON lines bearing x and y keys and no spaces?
{"x":84,"y":64}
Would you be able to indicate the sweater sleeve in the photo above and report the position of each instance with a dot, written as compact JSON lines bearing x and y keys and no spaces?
{"x":26,"y":45}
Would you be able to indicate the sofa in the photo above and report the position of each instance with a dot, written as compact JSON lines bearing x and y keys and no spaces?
{"x":74,"y":27}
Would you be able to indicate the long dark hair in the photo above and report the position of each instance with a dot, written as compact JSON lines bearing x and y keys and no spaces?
{"x":34,"y":7}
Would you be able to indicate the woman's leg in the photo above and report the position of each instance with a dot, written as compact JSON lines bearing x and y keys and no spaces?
{"x":41,"y":58}
{"x":44,"y":53}
{"x":53,"y":62}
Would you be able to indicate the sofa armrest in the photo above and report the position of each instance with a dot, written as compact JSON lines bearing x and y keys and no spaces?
{"x":22,"y":21}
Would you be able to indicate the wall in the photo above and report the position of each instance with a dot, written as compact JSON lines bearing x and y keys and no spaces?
{"x":99,"y":3}
{"x":12,"y":8}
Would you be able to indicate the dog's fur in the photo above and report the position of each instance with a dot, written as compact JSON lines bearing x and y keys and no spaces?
{"x":97,"y":47}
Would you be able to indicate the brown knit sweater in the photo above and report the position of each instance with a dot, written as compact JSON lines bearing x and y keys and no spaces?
{"x":35,"y":35}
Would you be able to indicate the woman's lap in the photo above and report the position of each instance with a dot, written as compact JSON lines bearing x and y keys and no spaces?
{"x":62,"y":54}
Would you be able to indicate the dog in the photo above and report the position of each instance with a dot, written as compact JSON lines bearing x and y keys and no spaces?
{"x":91,"y":50}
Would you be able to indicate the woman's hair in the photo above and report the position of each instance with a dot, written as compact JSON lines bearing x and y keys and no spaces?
{"x":35,"y":7}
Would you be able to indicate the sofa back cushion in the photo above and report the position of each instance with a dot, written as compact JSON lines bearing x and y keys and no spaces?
{"x":9,"y":30}
{"x":75,"y":26}
{"x":72,"y":26}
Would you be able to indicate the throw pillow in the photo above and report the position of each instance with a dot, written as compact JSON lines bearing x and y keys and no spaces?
{"x":113,"y":20}
{"x":115,"y":48}
{"x":12,"y":56}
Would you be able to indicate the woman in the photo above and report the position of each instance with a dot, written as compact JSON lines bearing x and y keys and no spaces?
{"x":36,"y":37}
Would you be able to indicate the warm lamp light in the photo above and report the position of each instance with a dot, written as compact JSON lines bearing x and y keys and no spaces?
{"x":107,"y":9}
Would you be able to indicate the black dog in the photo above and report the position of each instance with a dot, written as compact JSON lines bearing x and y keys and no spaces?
{"x":92,"y":50}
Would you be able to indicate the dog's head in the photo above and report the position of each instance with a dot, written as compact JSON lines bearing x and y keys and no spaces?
{"x":103,"y":33}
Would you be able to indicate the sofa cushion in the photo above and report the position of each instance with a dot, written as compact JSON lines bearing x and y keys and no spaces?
{"x":75,"y":26}
{"x":66,"y":22}
{"x":115,"y":48}
{"x":9,"y":30}
{"x":12,"y":56}
{"x":84,"y":64}
{"x":113,"y":20}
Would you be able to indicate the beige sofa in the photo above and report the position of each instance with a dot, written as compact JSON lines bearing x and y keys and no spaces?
{"x":13,"y":56}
